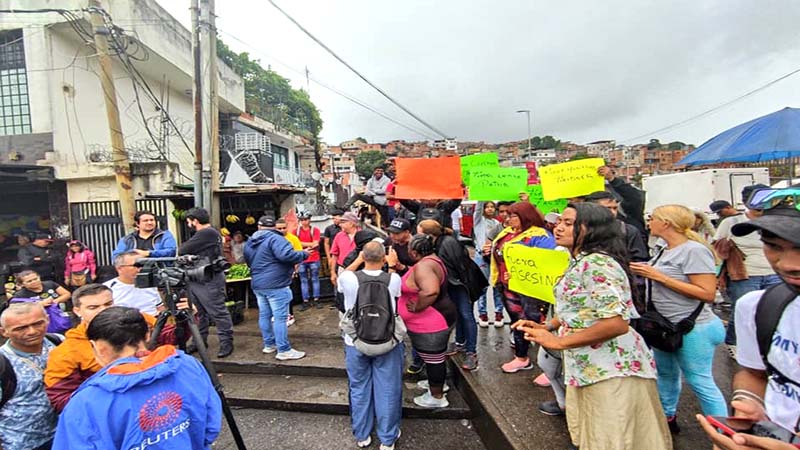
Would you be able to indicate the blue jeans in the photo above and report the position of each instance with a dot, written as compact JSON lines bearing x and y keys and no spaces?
{"x":304,"y":270}
{"x":695,"y":360}
{"x":498,"y":305}
{"x":736,"y":289}
{"x":376,"y":392}
{"x":466,"y":328}
{"x":273,"y":309}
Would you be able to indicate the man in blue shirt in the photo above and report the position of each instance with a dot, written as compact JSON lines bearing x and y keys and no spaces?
{"x":27,"y":420}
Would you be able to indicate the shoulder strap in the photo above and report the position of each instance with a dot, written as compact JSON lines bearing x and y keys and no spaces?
{"x":8,"y":380}
{"x":768,"y":314}
{"x":649,"y":299}
{"x":442,"y":266}
{"x":54,"y":338}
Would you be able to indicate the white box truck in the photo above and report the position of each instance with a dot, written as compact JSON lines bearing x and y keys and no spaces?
{"x":697,"y":189}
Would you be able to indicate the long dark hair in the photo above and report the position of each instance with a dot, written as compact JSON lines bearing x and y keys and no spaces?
{"x":603,"y":234}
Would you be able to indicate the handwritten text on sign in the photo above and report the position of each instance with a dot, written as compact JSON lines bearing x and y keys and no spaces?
{"x":497,"y":183}
{"x":571,"y":179}
{"x":534,"y":271}
{"x":535,"y":196}
{"x":477,"y":161}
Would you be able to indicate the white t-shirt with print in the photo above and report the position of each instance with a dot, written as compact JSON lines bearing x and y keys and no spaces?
{"x":145,"y":300}
{"x":348,"y":285}
{"x":783,"y":401}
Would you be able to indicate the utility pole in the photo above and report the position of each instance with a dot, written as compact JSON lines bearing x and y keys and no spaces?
{"x":197,"y":95}
{"x":528,"y":113}
{"x":210,"y":110}
{"x":122,"y":167}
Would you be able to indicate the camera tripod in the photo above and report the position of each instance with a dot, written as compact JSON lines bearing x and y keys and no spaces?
{"x":183,"y":316}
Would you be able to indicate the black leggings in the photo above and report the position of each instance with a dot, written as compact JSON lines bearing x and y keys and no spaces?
{"x":432,"y":347}
{"x":522,"y":307}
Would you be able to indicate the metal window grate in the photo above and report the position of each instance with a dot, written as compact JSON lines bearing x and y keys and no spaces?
{"x":15,"y":116}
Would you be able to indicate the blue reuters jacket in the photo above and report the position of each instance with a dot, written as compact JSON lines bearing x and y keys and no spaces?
{"x":162,"y":401}
{"x":271,"y":259}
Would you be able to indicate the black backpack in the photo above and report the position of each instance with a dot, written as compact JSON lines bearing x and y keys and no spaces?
{"x":373,"y":316}
{"x":768,"y":314}
{"x":8,"y":378}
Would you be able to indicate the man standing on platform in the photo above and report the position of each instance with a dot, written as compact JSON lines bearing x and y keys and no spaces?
{"x":375,"y":194}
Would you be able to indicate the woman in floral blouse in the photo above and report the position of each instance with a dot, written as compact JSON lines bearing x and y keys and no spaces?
{"x":612,"y":399}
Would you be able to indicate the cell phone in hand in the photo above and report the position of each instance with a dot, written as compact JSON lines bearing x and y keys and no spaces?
{"x":731,"y":425}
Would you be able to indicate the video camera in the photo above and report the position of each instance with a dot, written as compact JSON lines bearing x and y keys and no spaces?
{"x":176,"y":272}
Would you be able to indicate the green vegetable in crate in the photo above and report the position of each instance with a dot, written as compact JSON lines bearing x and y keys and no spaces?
{"x":238,"y":271}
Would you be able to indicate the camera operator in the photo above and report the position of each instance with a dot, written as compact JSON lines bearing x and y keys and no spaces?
{"x":209,"y":295}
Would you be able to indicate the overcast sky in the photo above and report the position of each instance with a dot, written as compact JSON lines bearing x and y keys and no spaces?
{"x":588,"y":70}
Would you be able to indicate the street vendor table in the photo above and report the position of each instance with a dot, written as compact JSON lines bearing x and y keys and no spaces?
{"x":246,"y":290}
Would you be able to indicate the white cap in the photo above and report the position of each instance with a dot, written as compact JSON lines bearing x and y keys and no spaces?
{"x":552,"y":217}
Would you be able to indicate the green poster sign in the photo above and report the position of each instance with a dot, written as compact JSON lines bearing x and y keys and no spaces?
{"x":497,"y":183}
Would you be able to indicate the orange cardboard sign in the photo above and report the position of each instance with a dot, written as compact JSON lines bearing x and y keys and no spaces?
{"x":428,"y":178}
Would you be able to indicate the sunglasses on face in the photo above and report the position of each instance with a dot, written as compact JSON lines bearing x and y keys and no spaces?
{"x":772,"y":198}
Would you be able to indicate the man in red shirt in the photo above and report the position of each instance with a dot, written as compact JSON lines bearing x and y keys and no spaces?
{"x":343,"y":243}
{"x":309,"y":239}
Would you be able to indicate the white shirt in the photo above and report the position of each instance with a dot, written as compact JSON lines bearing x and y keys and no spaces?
{"x":348,"y":285}
{"x":455,"y":217}
{"x":782,"y":401}
{"x":755,"y":262}
{"x":145,"y":300}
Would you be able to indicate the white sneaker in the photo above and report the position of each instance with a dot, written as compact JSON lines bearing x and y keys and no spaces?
{"x":290,"y":320}
{"x":426,"y":400}
{"x":365,"y":443}
{"x":391,"y":447}
{"x":289,"y":355}
{"x":269,"y":349}
{"x":423,"y":384}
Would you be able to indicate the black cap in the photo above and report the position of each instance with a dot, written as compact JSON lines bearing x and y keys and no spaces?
{"x":747,"y":191}
{"x":266,"y":222}
{"x":363,"y":236}
{"x":783,"y":221}
{"x":718,"y":205}
{"x":304,"y":215}
{"x":44,"y":236}
{"x":398,"y":226}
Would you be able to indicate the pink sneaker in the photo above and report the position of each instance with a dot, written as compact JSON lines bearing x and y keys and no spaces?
{"x":542,"y":381}
{"x":516,"y":364}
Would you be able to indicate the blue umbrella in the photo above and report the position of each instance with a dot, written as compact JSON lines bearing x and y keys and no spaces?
{"x":774,"y":136}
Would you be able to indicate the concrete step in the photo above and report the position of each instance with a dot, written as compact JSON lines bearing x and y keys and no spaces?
{"x":324,"y":395}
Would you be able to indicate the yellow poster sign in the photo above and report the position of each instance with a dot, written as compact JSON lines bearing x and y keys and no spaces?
{"x":534,"y":271}
{"x":571,"y":179}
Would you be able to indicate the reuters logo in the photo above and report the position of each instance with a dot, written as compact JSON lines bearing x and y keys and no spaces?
{"x":160,"y":411}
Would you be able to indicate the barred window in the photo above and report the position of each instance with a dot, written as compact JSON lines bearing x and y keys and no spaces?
{"x":15,"y":115}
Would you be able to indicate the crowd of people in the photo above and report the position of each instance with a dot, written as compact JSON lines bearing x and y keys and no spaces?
{"x":632,"y":318}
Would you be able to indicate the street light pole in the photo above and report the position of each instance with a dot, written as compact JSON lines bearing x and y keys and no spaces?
{"x":528,"y":113}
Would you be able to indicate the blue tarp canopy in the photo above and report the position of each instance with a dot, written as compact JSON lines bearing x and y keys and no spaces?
{"x":774,"y":136}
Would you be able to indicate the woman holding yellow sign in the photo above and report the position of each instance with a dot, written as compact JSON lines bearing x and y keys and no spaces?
{"x":612,"y":398}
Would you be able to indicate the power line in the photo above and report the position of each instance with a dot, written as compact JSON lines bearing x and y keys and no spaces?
{"x":714,"y":109}
{"x":321,"y":44}
{"x":333,"y":89}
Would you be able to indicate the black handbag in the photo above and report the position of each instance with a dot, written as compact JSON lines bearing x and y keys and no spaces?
{"x":657,"y":331}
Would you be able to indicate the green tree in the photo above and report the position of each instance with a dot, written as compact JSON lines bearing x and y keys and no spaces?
{"x":361,"y":139}
{"x":549,"y":142}
{"x":654,"y":144}
{"x":676,"y":145}
{"x":579,"y":155}
{"x":366,"y":162}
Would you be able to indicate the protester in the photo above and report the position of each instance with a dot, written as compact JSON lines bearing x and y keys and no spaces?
{"x":147,"y":240}
{"x":464,"y":283}
{"x":272,"y":259}
{"x":758,"y":392}
{"x":400,"y":235}
{"x":374,"y":195}
{"x":702,"y":226}
{"x":309,"y":239}
{"x":237,"y":247}
{"x":632,"y":199}
{"x":455,"y":219}
{"x":375,"y":382}
{"x":162,"y":399}
{"x":80,"y":267}
{"x":444,"y":208}
{"x":612,"y":400}
{"x":429,"y":315}
{"x":723,"y":209}
{"x":208,"y":295}
{"x":38,"y":256}
{"x":27,"y":420}
{"x":391,"y":201}
{"x":124,"y":287}
{"x":49,"y":294}
{"x":757,"y":273}
{"x":328,"y":234}
{"x":484,"y":229}
{"x":502,"y":212}
{"x":525,"y":227}
{"x":682,"y":285}
{"x":343,"y":243}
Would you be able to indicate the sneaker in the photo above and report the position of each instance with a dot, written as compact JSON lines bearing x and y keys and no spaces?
{"x":317,"y":304}
{"x":269,"y":349}
{"x":290,"y":320}
{"x":391,"y":446}
{"x":305,"y":305}
{"x":731,"y":351}
{"x":423,"y":384}
{"x":541,"y":381}
{"x":289,"y":355}
{"x":225,"y":349}
{"x":454,"y":348}
{"x":365,"y":443}
{"x":416,"y":368}
{"x":470,"y":361}
{"x":483,"y":320}
{"x":551,"y":408}
{"x":515,"y":365}
{"x":672,"y":422}
{"x":499,"y":322}
{"x":426,"y":400}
